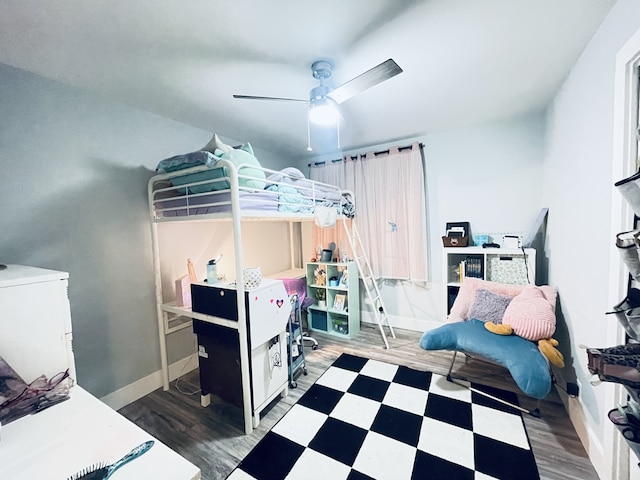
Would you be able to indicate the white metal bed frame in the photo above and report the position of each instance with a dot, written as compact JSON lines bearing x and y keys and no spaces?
{"x":171,"y":318}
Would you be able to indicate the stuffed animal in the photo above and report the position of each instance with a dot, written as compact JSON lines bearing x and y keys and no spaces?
{"x":547,"y":346}
{"x":243,"y":158}
{"x":525,"y":311}
{"x":531,"y":315}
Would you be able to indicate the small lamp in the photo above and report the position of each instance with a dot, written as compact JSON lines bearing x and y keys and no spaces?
{"x":323,"y":111}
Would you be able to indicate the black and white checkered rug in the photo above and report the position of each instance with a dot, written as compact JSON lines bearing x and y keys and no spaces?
{"x":367,"y":419}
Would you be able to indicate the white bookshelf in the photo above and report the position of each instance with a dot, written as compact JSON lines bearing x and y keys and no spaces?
{"x":503,"y":265}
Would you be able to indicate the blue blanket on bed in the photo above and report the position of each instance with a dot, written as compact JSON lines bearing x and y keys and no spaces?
{"x":290,"y":200}
{"x":528,"y":367}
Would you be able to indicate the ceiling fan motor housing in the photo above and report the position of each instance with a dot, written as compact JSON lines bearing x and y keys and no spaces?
{"x":322,"y":69}
{"x":319,"y":92}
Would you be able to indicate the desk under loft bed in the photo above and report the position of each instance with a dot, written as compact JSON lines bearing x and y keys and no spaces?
{"x":218,"y":197}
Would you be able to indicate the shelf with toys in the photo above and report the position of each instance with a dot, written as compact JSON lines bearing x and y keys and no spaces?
{"x":335,"y":287}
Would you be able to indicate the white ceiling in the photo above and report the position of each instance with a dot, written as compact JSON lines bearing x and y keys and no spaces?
{"x":464,"y":61}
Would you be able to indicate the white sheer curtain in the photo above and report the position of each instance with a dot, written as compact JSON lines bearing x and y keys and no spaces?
{"x":390,"y":207}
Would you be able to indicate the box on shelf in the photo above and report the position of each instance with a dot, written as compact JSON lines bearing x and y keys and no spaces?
{"x":510,"y":269}
{"x":511,"y":241}
{"x":480,"y":239}
{"x":341,"y":326}
{"x":318,"y":319}
{"x":455,"y":241}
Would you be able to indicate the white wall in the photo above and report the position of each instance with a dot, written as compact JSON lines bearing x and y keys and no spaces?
{"x":488,"y":175}
{"x":74,"y":173}
{"x":578,"y":188}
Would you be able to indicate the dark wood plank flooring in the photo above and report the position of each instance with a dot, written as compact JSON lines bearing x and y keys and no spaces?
{"x":213,"y":438}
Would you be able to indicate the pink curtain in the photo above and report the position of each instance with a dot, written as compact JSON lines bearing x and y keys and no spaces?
{"x":323,"y":237}
{"x":390,"y":208}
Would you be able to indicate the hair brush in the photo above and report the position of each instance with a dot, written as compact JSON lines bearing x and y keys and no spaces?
{"x":100,"y":471}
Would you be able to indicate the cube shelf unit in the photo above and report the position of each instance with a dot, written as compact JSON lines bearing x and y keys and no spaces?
{"x":345,"y":322}
{"x":504,"y":265}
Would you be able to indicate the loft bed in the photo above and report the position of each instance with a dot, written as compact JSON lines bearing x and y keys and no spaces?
{"x":226,"y":192}
{"x":256,"y":192}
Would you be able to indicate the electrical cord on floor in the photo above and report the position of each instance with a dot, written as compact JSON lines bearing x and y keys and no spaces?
{"x":177,"y":382}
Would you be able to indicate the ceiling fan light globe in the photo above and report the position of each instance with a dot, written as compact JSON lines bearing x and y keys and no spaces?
{"x":323,"y":113}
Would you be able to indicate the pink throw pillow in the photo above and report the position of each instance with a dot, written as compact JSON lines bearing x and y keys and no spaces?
{"x":467,"y":293}
{"x":532,"y":313}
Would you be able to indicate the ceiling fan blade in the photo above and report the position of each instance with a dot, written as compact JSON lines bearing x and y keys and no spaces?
{"x":366,"y":80}
{"x":280,"y":99}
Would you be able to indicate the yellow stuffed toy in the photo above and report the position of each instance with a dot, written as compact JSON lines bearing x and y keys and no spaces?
{"x":548,"y":348}
{"x":546,"y":345}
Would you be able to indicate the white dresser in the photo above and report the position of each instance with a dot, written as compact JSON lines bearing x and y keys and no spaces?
{"x":35,"y":322}
{"x":35,"y":339}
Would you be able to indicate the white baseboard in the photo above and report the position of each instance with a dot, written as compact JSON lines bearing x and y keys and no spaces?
{"x":138,"y":389}
{"x":406,"y":323}
{"x":591,"y":442}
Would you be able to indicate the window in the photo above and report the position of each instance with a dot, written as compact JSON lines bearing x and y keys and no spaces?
{"x":390,"y":198}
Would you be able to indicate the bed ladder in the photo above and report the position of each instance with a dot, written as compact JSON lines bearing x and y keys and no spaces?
{"x":370,"y":284}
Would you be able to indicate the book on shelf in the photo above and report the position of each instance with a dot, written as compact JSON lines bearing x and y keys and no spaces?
{"x":470,"y":267}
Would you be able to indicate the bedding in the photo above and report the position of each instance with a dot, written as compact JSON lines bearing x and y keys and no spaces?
{"x":293,"y":177}
{"x":298,"y":193}
{"x":189,"y":160}
{"x":216,"y":202}
{"x":250,"y":174}
{"x":286,"y":191}
{"x":527,"y":365}
{"x":290,"y":200}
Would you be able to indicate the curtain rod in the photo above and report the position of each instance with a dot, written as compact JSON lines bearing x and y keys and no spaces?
{"x":376,"y":153}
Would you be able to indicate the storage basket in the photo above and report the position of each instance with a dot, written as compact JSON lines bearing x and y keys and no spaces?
{"x":341,"y":326}
{"x":510,"y":269}
{"x":318,"y":320}
{"x":252,"y":277}
{"x":455,"y":241}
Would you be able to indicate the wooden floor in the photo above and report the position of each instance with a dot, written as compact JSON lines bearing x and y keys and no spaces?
{"x":212,"y":438}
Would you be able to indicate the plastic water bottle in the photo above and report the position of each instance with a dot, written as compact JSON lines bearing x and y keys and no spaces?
{"x":212,"y":272}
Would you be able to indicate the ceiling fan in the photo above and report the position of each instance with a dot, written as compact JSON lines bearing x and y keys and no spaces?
{"x":323,"y":101}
